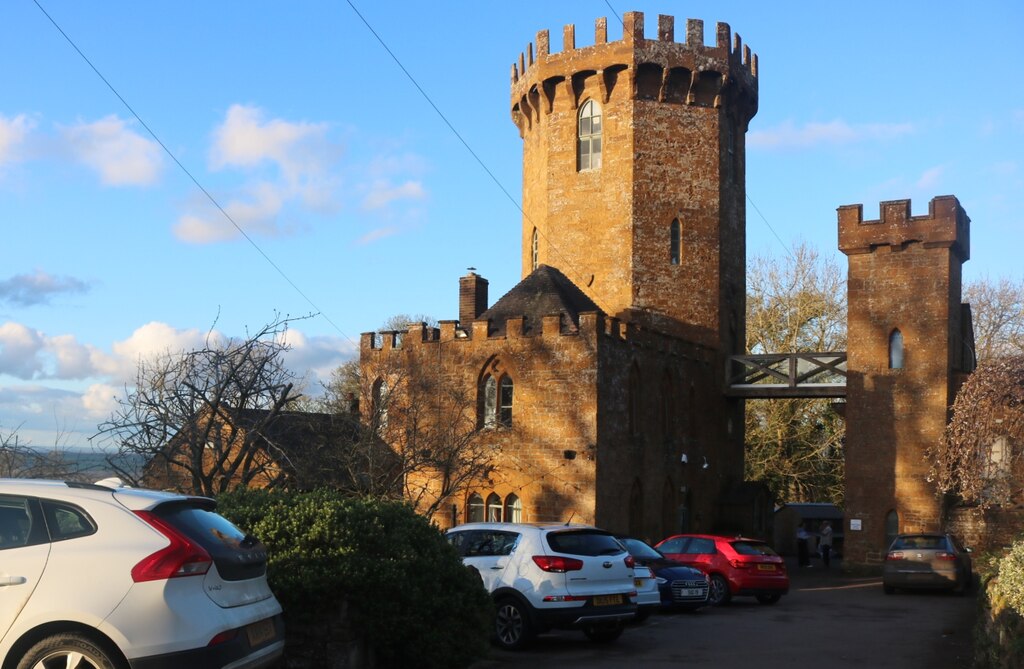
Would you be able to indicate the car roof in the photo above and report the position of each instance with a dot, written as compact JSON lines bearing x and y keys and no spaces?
{"x":719,"y":537}
{"x":524,"y":526}
{"x":132,"y":498}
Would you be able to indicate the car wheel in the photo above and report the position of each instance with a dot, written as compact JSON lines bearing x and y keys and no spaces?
{"x":512,"y":625}
{"x":769,"y":599}
{"x":719,"y":594}
{"x":603,"y":632}
{"x":68,"y":650}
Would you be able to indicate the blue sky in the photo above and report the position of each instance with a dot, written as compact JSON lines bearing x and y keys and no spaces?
{"x":299,"y":123}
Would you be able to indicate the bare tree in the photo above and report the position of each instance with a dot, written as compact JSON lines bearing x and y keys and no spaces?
{"x":997,"y":309}
{"x":795,"y":304}
{"x":979,"y":462}
{"x":19,"y":459}
{"x":198,"y":418}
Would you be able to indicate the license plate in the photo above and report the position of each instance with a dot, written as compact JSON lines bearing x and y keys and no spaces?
{"x":638,"y":582}
{"x":766,"y":567}
{"x":607,"y":600}
{"x":691,"y":592}
{"x":260,"y":632}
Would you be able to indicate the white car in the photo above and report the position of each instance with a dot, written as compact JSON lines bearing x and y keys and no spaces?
{"x":545,"y":576}
{"x":98,"y":577}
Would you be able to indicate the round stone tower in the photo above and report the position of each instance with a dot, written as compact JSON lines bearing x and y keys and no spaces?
{"x":633,"y":173}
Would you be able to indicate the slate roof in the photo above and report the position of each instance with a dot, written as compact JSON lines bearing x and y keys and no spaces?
{"x":545,"y":292}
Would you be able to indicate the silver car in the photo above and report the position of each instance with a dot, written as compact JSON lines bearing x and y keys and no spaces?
{"x":927,"y":560}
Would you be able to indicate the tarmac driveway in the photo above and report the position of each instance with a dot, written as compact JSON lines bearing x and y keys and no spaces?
{"x":827,"y":620}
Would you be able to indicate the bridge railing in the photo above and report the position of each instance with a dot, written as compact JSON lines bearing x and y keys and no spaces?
{"x":787,"y":375}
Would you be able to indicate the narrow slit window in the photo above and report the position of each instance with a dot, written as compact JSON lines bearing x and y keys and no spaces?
{"x":588,"y":155}
{"x":490,"y":401}
{"x":534,"y":250}
{"x":505,"y":402}
{"x":896,"y":350}
{"x":673,"y":242}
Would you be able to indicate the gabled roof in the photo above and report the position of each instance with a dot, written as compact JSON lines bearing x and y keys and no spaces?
{"x":545,"y":292}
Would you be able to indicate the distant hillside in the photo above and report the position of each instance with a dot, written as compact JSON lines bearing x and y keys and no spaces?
{"x":73,"y":465}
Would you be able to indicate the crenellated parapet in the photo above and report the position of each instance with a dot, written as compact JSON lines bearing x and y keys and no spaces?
{"x":946,"y":226}
{"x":662,"y":69}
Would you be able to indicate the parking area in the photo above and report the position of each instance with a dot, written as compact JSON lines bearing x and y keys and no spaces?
{"x":827,"y":620}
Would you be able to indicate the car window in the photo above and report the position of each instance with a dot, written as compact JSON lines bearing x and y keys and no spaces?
{"x":14,"y":522}
{"x":65,"y":521}
{"x":479,"y":543}
{"x":639,"y":549}
{"x":584,"y":542}
{"x":674,"y":545}
{"x":699,"y":546}
{"x":752,"y":548}
{"x":238,"y":556}
{"x":920,"y":541}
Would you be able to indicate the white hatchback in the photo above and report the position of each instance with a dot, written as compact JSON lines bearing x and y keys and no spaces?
{"x":545,"y":576}
{"x":98,"y":577}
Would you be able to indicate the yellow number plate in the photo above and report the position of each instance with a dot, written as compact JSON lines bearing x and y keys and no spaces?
{"x":766,"y":567}
{"x":260,"y":632}
{"x":607,"y":600}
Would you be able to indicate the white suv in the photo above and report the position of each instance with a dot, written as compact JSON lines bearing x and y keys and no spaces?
{"x":97,"y":577}
{"x":544,"y":576}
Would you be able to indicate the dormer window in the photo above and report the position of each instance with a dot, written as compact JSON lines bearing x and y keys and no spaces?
{"x":588,"y":154}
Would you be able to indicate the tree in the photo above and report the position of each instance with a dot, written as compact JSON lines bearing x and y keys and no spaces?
{"x":997,"y":309}
{"x":979,"y":462}
{"x":19,"y":459}
{"x":200,"y":417}
{"x":424,"y":414}
{"x":795,"y":445}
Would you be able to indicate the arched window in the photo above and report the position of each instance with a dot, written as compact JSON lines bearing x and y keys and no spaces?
{"x":513,"y":509}
{"x":498,"y":398}
{"x":493,"y":508}
{"x":892,"y":528}
{"x":896,"y":350}
{"x":588,"y":154}
{"x":534,"y":250}
{"x":505,"y":401}
{"x":380,"y":404}
{"x":490,"y":401}
{"x":475,"y":508}
{"x":673,"y":242}
{"x":633,"y":408}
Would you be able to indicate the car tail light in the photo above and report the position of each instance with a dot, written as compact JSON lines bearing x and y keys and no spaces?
{"x":227,"y":635}
{"x":894,"y":555}
{"x":630,"y":562}
{"x":557,"y":564}
{"x":182,"y":557}
{"x":945,"y":556}
{"x":739,"y":564}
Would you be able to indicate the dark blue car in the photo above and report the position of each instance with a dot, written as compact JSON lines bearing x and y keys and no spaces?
{"x":681,"y":586}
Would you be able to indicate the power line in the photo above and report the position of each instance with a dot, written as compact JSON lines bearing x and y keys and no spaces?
{"x":189,"y":174}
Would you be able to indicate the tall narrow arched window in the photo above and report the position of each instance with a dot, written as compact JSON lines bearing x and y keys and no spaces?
{"x":493,"y":508}
{"x":588,"y":145}
{"x":505,"y":401}
{"x":633,"y":407}
{"x":896,"y":350}
{"x":534,"y":250}
{"x":673,"y":242}
{"x":490,"y":401}
{"x":379,"y":407}
{"x":513,"y":509}
{"x":475,"y":508}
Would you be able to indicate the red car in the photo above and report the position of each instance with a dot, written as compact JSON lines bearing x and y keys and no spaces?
{"x":735,"y":565}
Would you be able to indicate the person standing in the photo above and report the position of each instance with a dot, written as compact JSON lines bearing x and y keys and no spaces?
{"x":803,"y":554}
{"x":825,"y":542}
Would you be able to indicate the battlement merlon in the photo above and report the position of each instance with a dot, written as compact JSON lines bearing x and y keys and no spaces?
{"x":534,"y":68}
{"x":946,"y":226}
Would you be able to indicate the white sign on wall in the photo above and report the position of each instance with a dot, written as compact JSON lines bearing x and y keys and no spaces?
{"x":855,"y":525}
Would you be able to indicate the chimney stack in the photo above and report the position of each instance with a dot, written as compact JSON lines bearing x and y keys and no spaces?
{"x":472,"y":297}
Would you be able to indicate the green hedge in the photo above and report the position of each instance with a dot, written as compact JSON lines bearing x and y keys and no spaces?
{"x":408,"y":595}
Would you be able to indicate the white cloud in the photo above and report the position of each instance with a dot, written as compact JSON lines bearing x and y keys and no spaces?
{"x":121,"y":156}
{"x":99,"y":400}
{"x":257,"y":213}
{"x":153,"y":339}
{"x":13,"y":133}
{"x":383,"y":193}
{"x":930,"y":178}
{"x":37,"y":288}
{"x":377,"y":234}
{"x":20,"y":349}
{"x":320,"y":355}
{"x":789,"y":136}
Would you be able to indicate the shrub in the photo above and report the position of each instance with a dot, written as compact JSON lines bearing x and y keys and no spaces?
{"x":1009,"y":583}
{"x":408,"y":595}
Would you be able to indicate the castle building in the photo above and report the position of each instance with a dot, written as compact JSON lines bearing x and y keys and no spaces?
{"x":598,"y":380}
